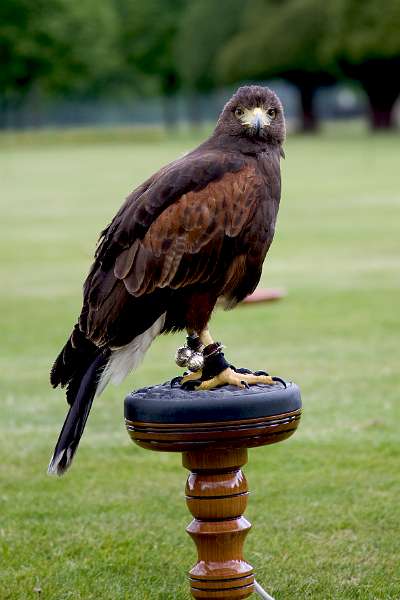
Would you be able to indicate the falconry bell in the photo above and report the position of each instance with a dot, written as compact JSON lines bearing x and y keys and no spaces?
{"x":183,"y":354}
{"x":195,"y":362}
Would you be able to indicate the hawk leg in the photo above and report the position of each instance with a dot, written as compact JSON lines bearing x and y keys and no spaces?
{"x":217,"y":371}
{"x":196,"y":376}
{"x":190,"y":355}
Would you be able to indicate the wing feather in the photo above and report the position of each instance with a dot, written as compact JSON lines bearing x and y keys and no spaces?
{"x":195,"y":226}
{"x":124,"y":261}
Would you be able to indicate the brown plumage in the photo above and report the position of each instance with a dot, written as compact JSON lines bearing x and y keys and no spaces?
{"x":197,"y":230}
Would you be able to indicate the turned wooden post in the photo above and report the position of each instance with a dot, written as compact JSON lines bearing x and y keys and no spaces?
{"x":213,"y":431}
{"x":216,"y":495}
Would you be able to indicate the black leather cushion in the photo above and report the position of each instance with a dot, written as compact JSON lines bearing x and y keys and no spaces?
{"x":163,"y":404}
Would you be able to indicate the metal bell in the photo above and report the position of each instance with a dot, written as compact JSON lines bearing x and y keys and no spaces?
{"x":195,"y":362}
{"x":182,"y":356}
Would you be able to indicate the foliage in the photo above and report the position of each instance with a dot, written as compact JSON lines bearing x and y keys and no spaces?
{"x":205,"y":27}
{"x":278,"y":39}
{"x":282,"y":40}
{"x":364,"y":44}
{"x":147,"y":39}
{"x":363,"y":31}
{"x":103,"y":47}
{"x":55,"y":47}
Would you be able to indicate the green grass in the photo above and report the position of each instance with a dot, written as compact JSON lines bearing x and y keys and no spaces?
{"x":325,"y":505}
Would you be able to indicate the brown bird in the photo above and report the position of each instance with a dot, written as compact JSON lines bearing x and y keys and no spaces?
{"x":196,"y":231}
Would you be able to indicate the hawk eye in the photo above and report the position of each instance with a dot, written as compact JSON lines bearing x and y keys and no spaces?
{"x":239,"y":112}
{"x":271,"y":112}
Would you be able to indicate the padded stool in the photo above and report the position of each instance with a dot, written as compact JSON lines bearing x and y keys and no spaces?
{"x":213,"y":430}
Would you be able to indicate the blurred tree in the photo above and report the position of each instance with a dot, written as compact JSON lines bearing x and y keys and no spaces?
{"x":282,"y":39}
{"x":148,"y":32}
{"x":55,"y":47}
{"x":204,"y":29}
{"x":365,"y":42}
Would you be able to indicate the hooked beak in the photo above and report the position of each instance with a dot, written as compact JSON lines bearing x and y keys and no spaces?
{"x":258,"y":119}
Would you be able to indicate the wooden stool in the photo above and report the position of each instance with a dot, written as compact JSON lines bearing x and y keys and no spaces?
{"x":213,"y":430}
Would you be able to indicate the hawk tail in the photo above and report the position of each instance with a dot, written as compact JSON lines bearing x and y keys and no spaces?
{"x":86,"y":370}
{"x":75,"y":421}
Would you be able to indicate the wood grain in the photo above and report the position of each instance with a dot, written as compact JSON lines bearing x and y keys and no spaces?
{"x":245,"y":433}
{"x":216,"y":495}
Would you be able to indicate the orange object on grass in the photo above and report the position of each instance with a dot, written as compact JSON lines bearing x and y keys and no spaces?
{"x":265,"y":295}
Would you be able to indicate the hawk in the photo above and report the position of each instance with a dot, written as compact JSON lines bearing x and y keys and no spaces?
{"x":195,"y":232}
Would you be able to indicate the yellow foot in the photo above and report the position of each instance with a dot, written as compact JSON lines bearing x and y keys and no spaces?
{"x":230,"y":377}
{"x":191,"y":377}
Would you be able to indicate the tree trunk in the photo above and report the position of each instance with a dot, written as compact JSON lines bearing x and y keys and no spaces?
{"x":3,"y":113}
{"x":379,"y":79}
{"x":309,"y":120}
{"x":382,"y":99}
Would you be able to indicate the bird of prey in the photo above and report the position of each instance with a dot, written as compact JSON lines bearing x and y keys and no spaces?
{"x":195,"y":232}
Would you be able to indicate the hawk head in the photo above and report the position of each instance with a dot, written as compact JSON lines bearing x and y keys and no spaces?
{"x":253,"y":112}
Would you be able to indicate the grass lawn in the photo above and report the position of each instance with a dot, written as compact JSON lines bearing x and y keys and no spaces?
{"x":325,"y":504}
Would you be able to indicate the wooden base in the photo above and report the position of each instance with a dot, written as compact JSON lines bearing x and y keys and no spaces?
{"x":216,"y":495}
{"x":213,"y":431}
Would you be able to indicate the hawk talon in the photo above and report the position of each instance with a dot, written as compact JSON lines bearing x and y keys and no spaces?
{"x":242,"y":370}
{"x":191,"y":385}
{"x":176,"y":381}
{"x":247,"y":371}
{"x":280,"y":380}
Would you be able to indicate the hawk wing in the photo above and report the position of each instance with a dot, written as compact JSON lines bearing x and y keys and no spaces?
{"x":167,"y":239}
